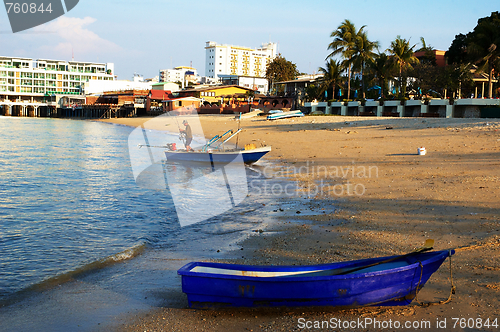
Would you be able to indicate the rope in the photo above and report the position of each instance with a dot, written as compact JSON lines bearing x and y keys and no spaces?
{"x":419,"y":280}
{"x":478,"y":246}
{"x":452,"y":290}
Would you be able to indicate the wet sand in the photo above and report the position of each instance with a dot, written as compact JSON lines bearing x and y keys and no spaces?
{"x":389,"y":201}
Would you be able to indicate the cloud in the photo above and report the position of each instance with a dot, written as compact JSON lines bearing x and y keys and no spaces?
{"x":72,"y":35}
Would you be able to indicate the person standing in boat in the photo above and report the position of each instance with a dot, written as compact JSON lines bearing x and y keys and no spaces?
{"x":188,"y":135}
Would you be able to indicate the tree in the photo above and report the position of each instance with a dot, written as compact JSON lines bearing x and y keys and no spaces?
{"x":363,"y":53}
{"x":343,"y":44}
{"x":312,"y":92}
{"x":403,"y":57}
{"x":428,"y":57}
{"x":457,"y":53}
{"x":458,"y":77}
{"x":382,"y":68}
{"x":280,"y":70}
{"x":332,"y":77}
{"x":484,"y":47}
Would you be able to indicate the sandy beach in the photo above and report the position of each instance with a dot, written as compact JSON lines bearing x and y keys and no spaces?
{"x":389,"y":200}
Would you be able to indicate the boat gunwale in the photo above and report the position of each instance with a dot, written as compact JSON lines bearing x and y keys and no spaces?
{"x":431,"y":257}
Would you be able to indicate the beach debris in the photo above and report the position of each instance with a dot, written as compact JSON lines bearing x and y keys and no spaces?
{"x":421,"y":151}
{"x":389,"y":127}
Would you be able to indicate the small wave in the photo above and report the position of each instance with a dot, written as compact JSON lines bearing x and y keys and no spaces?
{"x":93,"y":266}
{"x":73,"y":274}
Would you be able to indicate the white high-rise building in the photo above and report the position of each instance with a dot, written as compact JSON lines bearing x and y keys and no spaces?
{"x":236,"y":60}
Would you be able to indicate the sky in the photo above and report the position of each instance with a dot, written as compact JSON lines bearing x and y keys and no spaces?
{"x":144,"y":36}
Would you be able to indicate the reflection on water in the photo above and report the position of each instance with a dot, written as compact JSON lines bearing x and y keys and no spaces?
{"x":68,"y":198}
{"x":200,"y":188}
{"x":201,"y":191}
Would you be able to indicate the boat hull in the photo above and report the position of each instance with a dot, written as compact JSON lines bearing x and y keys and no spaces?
{"x":219,"y":157}
{"x":284,"y":115}
{"x":394,"y":283}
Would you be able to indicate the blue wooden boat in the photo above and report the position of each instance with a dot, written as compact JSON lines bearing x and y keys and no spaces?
{"x":218,"y":156}
{"x":379,"y":281}
{"x":213,"y":153}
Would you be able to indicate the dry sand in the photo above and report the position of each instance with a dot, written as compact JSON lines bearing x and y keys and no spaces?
{"x":450,"y":195}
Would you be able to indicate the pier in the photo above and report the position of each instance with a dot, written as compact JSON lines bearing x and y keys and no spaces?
{"x":27,"y":109}
{"x":109,"y":105}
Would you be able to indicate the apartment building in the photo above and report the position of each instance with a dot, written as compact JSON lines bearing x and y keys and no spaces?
{"x":237,"y":60}
{"x":181,"y":74}
{"x":24,"y":77}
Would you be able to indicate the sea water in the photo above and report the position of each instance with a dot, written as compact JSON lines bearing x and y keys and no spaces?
{"x":69,"y":203}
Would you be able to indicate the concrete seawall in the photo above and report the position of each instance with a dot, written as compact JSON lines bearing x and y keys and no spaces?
{"x":444,"y":108}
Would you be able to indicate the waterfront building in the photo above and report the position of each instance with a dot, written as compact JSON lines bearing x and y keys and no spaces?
{"x":166,"y":86}
{"x":182,"y":105}
{"x":258,"y":84}
{"x":298,"y":86}
{"x":25,"y":77}
{"x":101,"y":86}
{"x":44,"y":87}
{"x":217,"y":94}
{"x":237,"y":60}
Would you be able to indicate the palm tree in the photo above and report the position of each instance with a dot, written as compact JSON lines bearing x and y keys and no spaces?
{"x":382,"y":68}
{"x":428,"y":50}
{"x":403,"y":57}
{"x":485,"y":48}
{"x":363,"y":53}
{"x":343,"y":43}
{"x":332,"y":76}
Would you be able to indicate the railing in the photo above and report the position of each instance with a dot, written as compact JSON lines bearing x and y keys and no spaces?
{"x":63,"y":93}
